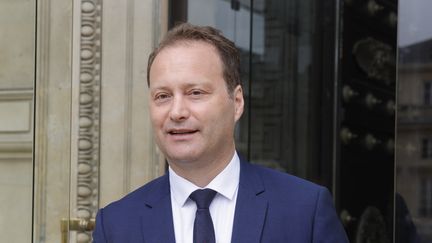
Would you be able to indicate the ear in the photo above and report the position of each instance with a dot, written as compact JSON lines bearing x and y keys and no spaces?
{"x":238,"y":102}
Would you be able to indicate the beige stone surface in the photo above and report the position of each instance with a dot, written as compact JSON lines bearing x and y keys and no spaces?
{"x":16,"y":200}
{"x":17,"y":42}
{"x":128,"y":155}
{"x":15,"y":116}
{"x":53,"y":118}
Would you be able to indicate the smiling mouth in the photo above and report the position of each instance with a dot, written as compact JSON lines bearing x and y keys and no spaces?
{"x":182,"y":132}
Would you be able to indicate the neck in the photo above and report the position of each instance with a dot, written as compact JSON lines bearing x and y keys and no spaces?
{"x":201,"y":173}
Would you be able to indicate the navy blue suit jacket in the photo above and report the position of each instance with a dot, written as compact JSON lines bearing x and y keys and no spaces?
{"x":272,"y":207}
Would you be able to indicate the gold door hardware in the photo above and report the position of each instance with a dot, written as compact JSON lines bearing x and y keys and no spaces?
{"x":346,"y":218}
{"x":75,"y":224}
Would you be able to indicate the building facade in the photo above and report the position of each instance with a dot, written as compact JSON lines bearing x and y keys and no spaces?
{"x":414,"y":171}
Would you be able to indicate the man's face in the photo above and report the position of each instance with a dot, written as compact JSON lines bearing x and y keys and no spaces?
{"x":192,"y":113}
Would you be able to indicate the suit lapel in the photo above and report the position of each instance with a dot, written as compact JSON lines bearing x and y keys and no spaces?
{"x":251,"y":207}
{"x":157,"y":221}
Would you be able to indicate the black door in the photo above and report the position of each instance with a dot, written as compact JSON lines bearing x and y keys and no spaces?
{"x":367,"y":118}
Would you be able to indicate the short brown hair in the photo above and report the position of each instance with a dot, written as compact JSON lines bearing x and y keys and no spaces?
{"x":226,"y":49}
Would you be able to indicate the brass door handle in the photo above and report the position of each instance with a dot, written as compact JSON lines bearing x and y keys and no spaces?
{"x":75,"y":224}
{"x":346,"y":218}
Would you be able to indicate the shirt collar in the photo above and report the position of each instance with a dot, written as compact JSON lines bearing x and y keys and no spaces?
{"x":225,"y":183}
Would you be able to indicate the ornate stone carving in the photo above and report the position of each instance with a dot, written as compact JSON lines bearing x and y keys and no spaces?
{"x":89,"y":113}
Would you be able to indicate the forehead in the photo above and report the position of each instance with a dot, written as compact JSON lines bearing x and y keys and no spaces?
{"x":191,"y":57}
{"x":189,"y":47}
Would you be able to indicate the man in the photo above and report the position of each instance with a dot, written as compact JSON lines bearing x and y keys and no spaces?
{"x":195,"y":101}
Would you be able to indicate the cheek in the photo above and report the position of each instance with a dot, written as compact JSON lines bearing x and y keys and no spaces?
{"x":157,"y":123}
{"x":211,"y":113}
{"x":221,"y":119}
{"x":156,"y":115}
{"x":153,"y":117}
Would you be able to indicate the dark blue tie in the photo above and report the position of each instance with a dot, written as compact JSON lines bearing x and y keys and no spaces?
{"x":203,"y":225}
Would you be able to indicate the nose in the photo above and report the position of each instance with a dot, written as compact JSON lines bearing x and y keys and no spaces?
{"x":179,"y":110}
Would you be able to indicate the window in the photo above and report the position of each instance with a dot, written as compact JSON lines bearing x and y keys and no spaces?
{"x":426,"y":148}
{"x":287,"y":54}
{"x":427,"y":92}
{"x":425,"y":209}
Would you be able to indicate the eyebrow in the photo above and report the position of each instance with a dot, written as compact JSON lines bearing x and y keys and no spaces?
{"x":184,"y":86}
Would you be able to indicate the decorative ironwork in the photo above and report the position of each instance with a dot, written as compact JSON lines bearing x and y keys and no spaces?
{"x":376,"y":58}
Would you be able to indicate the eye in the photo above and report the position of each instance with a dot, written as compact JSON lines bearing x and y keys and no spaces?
{"x":196,"y":93}
{"x":160,"y":97}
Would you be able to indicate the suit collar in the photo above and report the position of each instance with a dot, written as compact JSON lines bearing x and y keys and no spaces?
{"x":251,"y":208}
{"x":157,"y":223}
{"x":250,"y":213}
{"x":225,"y":183}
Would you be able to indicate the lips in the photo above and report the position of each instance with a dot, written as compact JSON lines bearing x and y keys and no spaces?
{"x":180,"y":132}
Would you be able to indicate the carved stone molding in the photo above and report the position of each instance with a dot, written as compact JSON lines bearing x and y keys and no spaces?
{"x":89,"y":113}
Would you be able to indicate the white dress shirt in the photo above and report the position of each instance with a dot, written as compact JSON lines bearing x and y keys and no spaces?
{"x":222,"y":207}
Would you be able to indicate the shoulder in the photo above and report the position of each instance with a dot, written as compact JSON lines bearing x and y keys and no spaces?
{"x":121,"y":220}
{"x":282,"y":185}
{"x":273,"y":176}
{"x":146,"y":194}
{"x":303,"y":207}
{"x":289,"y":196}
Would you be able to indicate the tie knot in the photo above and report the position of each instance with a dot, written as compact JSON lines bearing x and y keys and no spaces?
{"x":203,"y":197}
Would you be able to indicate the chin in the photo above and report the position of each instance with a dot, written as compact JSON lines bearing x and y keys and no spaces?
{"x":183,"y":152}
{"x":183,"y":157}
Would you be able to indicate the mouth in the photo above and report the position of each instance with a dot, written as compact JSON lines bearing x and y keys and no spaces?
{"x":180,"y":132}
